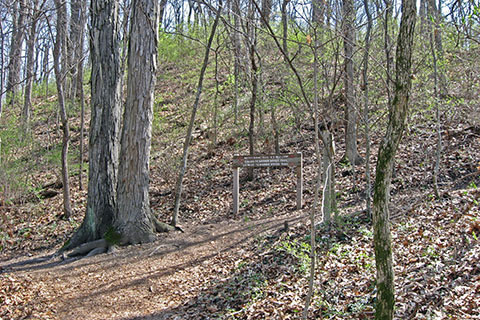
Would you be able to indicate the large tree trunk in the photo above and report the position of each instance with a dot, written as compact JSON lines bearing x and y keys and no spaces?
{"x":14,"y":65}
{"x":133,"y":219}
{"x":104,"y":124}
{"x":386,"y":156}
{"x":350,"y":108}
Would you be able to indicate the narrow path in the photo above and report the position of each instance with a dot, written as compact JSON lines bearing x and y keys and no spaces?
{"x":140,"y":282}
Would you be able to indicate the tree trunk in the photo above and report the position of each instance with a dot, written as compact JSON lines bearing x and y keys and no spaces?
{"x":328,"y":174}
{"x":438,"y":152}
{"x":388,"y":48}
{"x":133,"y":217}
{"x":313,"y":211}
{"x":386,"y":156}
{"x":266,"y":9}
{"x":237,"y":50}
{"x":253,"y":100}
{"x":32,"y":36}
{"x":350,"y":108}
{"x":14,"y":65}
{"x":78,"y":21}
{"x":79,"y":88}
{"x":104,"y":124}
{"x":366,"y":119}
{"x":2,"y":68}
{"x":45,"y":62}
{"x":163,"y":5}
{"x":58,"y":55}
{"x":284,"y":27}
{"x":188,"y":138}
{"x":437,"y":37}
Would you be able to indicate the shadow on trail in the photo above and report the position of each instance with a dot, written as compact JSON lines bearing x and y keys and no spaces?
{"x":261,"y":277}
{"x":249,"y":231}
{"x":265,"y":285}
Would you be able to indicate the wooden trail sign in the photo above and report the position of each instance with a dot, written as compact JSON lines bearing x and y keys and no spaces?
{"x":263,"y":161}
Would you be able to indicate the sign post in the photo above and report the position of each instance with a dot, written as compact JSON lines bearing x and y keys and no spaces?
{"x":264,"y":161}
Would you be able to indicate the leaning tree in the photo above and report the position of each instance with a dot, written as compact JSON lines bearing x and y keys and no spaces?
{"x":386,"y":157}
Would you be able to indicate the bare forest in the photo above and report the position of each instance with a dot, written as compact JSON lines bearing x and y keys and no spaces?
{"x":239,"y":159}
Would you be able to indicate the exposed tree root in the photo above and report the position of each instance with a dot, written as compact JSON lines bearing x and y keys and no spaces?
{"x":87,"y":248}
{"x":100,"y":246}
{"x":163,"y":227}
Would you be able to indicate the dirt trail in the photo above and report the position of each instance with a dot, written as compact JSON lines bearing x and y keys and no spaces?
{"x":140,"y":282}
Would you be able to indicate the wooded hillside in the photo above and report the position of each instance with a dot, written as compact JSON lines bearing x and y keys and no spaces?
{"x":119,"y":121}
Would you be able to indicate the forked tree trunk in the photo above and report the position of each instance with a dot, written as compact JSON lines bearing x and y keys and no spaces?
{"x":133,"y":217}
{"x":104,"y":124}
{"x":386,"y":156}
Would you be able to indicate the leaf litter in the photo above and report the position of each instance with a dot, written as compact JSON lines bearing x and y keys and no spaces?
{"x":249,"y":266}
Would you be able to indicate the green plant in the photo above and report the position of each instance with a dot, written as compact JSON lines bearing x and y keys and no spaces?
{"x":300,"y":250}
{"x":112,"y":236}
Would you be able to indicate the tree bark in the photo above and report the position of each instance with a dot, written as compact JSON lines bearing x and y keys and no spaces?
{"x":350,"y":108}
{"x":328,"y":175}
{"x":104,"y":124}
{"x":133,"y":217}
{"x":386,"y":156}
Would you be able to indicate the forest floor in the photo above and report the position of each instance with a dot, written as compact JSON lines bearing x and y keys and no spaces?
{"x":249,"y":265}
